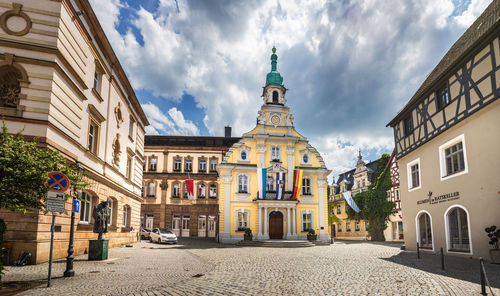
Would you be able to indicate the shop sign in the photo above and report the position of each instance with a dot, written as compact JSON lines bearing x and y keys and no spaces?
{"x":440,"y":198}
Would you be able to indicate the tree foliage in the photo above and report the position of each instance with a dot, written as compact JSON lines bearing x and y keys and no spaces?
{"x":373,"y":204}
{"x":24,"y":169}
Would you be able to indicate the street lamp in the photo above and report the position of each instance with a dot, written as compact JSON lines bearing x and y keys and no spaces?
{"x":218,"y":234}
{"x":69,"y":272}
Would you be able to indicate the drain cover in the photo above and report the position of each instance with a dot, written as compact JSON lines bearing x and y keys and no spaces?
{"x":94,"y":271}
{"x":198,"y":275}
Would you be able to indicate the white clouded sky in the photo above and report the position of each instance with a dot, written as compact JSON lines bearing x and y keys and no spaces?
{"x":349,"y":65}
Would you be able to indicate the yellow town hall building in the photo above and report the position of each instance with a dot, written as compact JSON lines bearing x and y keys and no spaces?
{"x":276,"y":146}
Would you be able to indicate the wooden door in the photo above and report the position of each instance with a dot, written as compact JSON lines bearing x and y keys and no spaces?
{"x":275,"y":225}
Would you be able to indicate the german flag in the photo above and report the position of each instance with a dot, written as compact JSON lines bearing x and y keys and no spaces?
{"x":297,"y":180}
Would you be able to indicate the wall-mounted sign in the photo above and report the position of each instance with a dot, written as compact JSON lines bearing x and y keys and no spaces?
{"x":440,"y":198}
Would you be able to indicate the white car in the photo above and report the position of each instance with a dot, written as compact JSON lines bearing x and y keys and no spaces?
{"x":162,"y":236}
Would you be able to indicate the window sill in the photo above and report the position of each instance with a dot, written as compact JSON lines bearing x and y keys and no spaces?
{"x":178,"y":171}
{"x":414,"y":188}
{"x":242,"y":192}
{"x":175,"y":197}
{"x":450,"y":176}
{"x":151,"y":196}
{"x":459,"y":251}
{"x":130,"y":138}
{"x":97,"y":95}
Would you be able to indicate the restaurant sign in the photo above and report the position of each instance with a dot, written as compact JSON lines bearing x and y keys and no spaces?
{"x":440,"y":198}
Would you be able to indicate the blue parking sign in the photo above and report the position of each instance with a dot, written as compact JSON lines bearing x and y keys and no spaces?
{"x":76,"y":206}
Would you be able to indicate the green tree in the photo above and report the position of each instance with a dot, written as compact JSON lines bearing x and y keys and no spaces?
{"x":373,"y":204}
{"x":24,"y":169}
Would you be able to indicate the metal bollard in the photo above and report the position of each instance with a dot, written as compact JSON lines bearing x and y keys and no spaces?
{"x":442,"y":259}
{"x":483,"y":284}
{"x":418,"y":251}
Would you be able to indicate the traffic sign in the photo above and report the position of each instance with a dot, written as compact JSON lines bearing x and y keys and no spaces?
{"x":55,"y":202}
{"x":76,"y":206}
{"x":58,"y":182}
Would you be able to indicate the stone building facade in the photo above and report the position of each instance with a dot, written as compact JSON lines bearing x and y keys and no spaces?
{"x":447,"y":138}
{"x":170,"y":161}
{"x":275,"y":145}
{"x":62,"y":82}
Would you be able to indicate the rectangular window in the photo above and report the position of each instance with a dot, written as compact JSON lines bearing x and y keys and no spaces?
{"x":275,"y":153}
{"x":356,"y":226}
{"x":408,"y":126}
{"x":213,"y":165}
{"x":306,"y":186}
{"x":177,"y":165}
{"x":131,"y":129}
{"x":97,"y":81}
{"x":151,"y":189}
{"x":413,"y":171}
{"x":454,"y":159}
{"x":152,"y":163}
{"x":124,"y":220}
{"x":213,"y":191}
{"x":348,"y":226}
{"x":85,"y":208}
{"x":93,"y":137}
{"x":339,"y":227}
{"x":176,"y":190}
{"x":129,"y":167}
{"x":397,"y":194}
{"x":188,"y":165}
{"x":242,"y":220}
{"x":306,"y":221}
{"x":339,"y":209}
{"x":203,"y":166}
{"x":443,"y":97}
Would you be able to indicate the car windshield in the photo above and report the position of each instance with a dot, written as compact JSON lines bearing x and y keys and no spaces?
{"x":165,"y":231}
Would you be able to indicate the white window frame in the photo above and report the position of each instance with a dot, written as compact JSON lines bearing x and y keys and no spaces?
{"x":408,"y":171}
{"x":417,"y":228}
{"x":177,"y":163}
{"x":86,"y":200}
{"x":178,"y":187}
{"x":124,"y":216}
{"x":247,"y":222}
{"x":308,"y":212}
{"x":305,"y":153}
{"x":213,"y":161}
{"x":210,"y":192}
{"x":357,"y":226}
{"x":442,"y":158}
{"x":247,"y":185}
{"x":200,"y":185}
{"x":274,"y":154}
{"x":447,"y":230}
{"x":188,"y":161}
{"x":149,"y":189}
{"x":304,"y":187}
{"x":129,"y":166}
{"x":204,"y":162}
{"x":110,"y":205}
{"x":153,"y":163}
{"x":246,"y":150}
{"x":93,"y":138}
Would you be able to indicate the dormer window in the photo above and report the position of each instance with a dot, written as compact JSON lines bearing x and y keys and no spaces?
{"x":244,"y":153}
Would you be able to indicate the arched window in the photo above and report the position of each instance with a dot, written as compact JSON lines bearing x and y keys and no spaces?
{"x":424,"y":231}
{"x":275,"y":97}
{"x":242,"y":184}
{"x":306,"y":186}
{"x":213,"y":191}
{"x":151,"y":189}
{"x":458,"y":230}
{"x":10,"y":88}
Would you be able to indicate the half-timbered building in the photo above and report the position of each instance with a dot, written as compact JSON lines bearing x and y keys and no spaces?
{"x":447,"y":138}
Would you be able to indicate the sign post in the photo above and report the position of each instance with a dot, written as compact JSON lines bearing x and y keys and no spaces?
{"x":58,"y":183}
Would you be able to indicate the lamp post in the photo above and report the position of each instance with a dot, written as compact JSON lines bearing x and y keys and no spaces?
{"x":218,"y":235}
{"x":69,"y":272}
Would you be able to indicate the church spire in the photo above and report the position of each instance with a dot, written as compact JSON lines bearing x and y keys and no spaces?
{"x":274,"y":77}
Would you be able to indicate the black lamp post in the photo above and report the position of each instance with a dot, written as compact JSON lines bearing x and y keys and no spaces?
{"x":69,"y":272}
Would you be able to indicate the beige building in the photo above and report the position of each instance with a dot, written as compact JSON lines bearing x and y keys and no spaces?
{"x":395,"y":229}
{"x":355,"y":181}
{"x":62,"y":82}
{"x":447,"y":139}
{"x":170,"y":161}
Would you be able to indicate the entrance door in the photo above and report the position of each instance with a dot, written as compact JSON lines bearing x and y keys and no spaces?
{"x":176,"y":225}
{"x":211,"y":226}
{"x":275,"y":225}
{"x":149,"y":222}
{"x":185,"y":226}
{"x":202,"y":226}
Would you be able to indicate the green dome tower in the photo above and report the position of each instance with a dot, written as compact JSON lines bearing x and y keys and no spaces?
{"x":274,"y":77}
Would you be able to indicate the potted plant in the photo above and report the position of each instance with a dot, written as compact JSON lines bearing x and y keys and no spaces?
{"x":248,"y":234}
{"x":311,"y":235}
{"x":494,"y":235}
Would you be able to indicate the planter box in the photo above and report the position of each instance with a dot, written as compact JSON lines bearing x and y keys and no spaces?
{"x":312,"y":237}
{"x":98,"y":249}
{"x":495,"y":256}
{"x":247,"y":237}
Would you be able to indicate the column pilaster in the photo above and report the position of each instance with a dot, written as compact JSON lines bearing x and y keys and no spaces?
{"x":289,"y":151}
{"x":266,"y":234}
{"x":288,"y":221}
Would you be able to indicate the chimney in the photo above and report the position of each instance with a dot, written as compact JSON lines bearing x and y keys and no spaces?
{"x":227,"y":131}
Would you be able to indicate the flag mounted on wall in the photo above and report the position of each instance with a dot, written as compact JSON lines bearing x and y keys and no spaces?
{"x":280,"y":185}
{"x":261,"y":178}
{"x":350,"y":201}
{"x":297,"y":183}
{"x":190,"y":189}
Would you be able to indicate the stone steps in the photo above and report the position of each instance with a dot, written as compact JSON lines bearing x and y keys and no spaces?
{"x":277,"y":243}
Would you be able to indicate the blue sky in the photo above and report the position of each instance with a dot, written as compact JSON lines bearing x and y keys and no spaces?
{"x":197,"y":66}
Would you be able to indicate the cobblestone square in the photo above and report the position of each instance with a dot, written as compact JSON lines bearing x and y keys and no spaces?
{"x":202,"y":267}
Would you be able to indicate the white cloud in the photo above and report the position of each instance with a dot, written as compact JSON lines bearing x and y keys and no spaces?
{"x":173,"y":124}
{"x":475,"y":8}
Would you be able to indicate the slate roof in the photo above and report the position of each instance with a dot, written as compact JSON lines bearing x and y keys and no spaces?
{"x":349,"y":177}
{"x":488,"y":21}
{"x":189,"y":141}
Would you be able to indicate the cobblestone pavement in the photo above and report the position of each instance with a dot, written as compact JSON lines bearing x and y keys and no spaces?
{"x":204,"y":268}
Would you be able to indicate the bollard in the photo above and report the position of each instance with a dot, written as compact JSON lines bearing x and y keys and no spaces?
{"x":442,"y":259}
{"x":483,"y":284}
{"x":418,"y":251}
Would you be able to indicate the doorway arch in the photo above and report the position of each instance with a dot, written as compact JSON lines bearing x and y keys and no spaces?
{"x":275,"y":225}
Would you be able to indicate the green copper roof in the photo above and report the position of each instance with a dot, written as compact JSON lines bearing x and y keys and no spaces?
{"x":274,"y":77}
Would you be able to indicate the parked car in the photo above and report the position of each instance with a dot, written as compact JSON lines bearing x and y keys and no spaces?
{"x":162,"y":235}
{"x":145,"y":233}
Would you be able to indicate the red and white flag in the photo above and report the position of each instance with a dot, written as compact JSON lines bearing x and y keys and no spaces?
{"x":190,"y":189}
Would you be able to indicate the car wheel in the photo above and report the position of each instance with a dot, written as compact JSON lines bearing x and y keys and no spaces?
{"x":159,"y":241}
{"x":150,"y":239}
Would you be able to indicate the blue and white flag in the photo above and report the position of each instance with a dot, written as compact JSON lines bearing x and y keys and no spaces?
{"x":280,"y":184}
{"x":350,"y":201}
{"x":261,"y":177}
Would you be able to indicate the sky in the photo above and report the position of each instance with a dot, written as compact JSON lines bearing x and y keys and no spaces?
{"x":349,"y":66}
